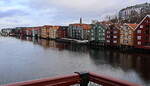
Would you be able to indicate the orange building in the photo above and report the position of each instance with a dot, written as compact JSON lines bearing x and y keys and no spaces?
{"x":53,"y":32}
{"x":127,"y":34}
{"x":45,"y":31}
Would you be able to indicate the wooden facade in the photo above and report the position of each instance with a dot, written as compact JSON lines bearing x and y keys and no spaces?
{"x":45,"y":31}
{"x":29,"y":31}
{"x":86,"y":31}
{"x":112,"y":36}
{"x":62,"y":32}
{"x":97,"y":33}
{"x":127,"y":36}
{"x":79,"y":31}
{"x":53,"y":32}
{"x":142,"y":33}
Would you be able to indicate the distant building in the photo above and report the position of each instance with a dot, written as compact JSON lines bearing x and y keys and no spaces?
{"x":79,"y":31}
{"x":53,"y":32}
{"x":86,"y":31}
{"x":134,"y":11}
{"x":29,"y":31}
{"x":142,"y":33}
{"x":36,"y":31}
{"x":127,"y":34}
{"x":62,"y":32}
{"x":45,"y":31}
{"x":97,"y":33}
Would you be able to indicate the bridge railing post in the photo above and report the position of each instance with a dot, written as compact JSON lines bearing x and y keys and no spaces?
{"x":84,"y":76}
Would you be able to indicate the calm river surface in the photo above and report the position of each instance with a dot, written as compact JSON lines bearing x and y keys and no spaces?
{"x":28,"y":59}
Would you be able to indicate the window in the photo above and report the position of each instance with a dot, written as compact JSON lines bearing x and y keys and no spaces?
{"x":108,"y":41}
{"x":139,"y":43}
{"x":92,"y":38}
{"x":130,"y":32}
{"x":141,"y":26}
{"x":138,"y":31}
{"x":129,"y":36}
{"x":114,"y":36}
{"x":108,"y":31}
{"x":139,"y":37}
{"x":108,"y":36}
{"x":114,"y":41}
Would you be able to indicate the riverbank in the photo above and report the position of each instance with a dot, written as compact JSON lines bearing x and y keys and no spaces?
{"x":96,"y":45}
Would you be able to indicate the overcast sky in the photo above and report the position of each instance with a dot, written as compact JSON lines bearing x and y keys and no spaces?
{"x":15,"y":13}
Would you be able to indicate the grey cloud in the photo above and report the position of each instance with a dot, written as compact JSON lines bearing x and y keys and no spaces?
{"x":12,"y":12}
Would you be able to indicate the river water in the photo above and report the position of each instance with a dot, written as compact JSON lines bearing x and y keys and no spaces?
{"x":28,"y":59}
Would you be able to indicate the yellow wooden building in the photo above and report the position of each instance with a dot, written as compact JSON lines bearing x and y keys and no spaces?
{"x":45,"y":31}
{"x":53,"y":32}
{"x":127,"y":34}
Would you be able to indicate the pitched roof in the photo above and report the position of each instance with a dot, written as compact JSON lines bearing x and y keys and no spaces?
{"x":56,"y":27}
{"x":133,"y":26}
{"x":142,"y":21}
{"x":84,"y":26}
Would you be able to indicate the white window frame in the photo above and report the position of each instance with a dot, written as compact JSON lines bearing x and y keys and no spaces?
{"x":139,"y":42}
{"x":108,"y":41}
{"x":114,"y":41}
{"x":139,"y":31}
{"x":139,"y":37}
{"x":141,"y":26}
{"x":114,"y":36}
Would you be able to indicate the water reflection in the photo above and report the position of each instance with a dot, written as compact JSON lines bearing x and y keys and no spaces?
{"x":126,"y":61}
{"x":129,"y":66}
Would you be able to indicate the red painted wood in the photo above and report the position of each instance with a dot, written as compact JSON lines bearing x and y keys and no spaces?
{"x":75,"y":79}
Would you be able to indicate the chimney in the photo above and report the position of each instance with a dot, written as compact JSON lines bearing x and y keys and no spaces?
{"x":80,"y":20}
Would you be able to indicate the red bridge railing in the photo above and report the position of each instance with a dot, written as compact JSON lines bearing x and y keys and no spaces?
{"x":77,"y":79}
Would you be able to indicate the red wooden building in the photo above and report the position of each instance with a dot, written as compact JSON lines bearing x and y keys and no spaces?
{"x":142,"y":33}
{"x":112,"y":35}
{"x":22,"y":32}
{"x":62,"y":32}
{"x":29,"y":31}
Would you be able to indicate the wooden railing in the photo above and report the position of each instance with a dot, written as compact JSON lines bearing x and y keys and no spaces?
{"x":82,"y":79}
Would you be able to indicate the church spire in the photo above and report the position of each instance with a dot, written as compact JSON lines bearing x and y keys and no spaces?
{"x":80,"y":20}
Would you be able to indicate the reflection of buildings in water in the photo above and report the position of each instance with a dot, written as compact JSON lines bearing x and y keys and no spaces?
{"x":126,"y":61}
{"x":45,"y":43}
{"x":39,"y":41}
{"x":22,"y":38}
{"x":34,"y":40}
{"x":29,"y":38}
{"x":78,"y":48}
{"x":142,"y":65}
{"x":61,"y":46}
{"x":97,"y":56}
{"x":52,"y":44}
